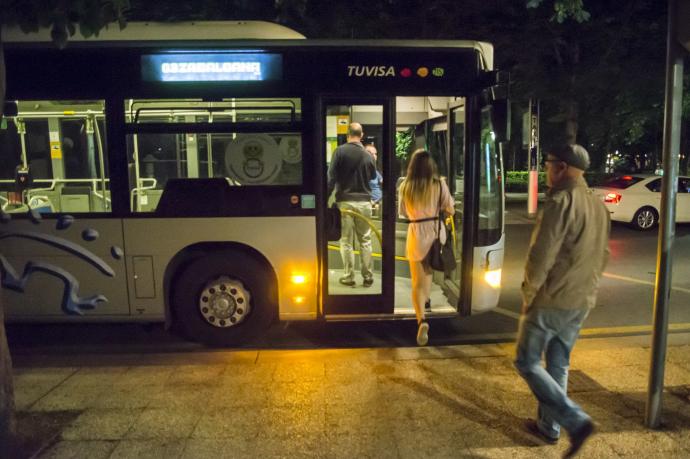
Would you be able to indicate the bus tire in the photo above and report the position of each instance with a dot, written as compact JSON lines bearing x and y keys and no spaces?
{"x":223,"y":299}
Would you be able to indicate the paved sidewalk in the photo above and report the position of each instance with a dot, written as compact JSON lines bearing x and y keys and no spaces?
{"x":442,"y":402}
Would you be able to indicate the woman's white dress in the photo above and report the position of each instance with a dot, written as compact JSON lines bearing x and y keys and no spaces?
{"x":421,"y":235}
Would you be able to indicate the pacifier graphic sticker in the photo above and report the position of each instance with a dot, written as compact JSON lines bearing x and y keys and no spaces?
{"x":253,"y":159}
{"x":291,"y":149}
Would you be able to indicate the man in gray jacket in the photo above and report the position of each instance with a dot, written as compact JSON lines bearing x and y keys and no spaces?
{"x":566,"y":258}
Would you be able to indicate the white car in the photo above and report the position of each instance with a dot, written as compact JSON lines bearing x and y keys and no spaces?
{"x":636,"y":199}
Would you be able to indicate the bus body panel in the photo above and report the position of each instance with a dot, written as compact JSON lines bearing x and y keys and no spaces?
{"x":64,"y":250}
{"x":287,"y":243}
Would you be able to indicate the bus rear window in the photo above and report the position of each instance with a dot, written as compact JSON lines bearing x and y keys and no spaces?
{"x":622,"y":182}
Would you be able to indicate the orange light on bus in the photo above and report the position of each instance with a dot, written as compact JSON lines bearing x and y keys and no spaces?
{"x":298,"y":299}
{"x":493,"y":278}
{"x":298,"y":279}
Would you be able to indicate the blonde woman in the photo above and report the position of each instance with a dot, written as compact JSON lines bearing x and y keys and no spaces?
{"x":422,"y":195}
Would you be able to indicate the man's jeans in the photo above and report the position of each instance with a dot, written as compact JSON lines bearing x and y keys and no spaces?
{"x":351,"y":227}
{"x":552,"y":332}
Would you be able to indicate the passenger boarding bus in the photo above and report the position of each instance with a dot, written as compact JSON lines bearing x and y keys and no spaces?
{"x":178,"y":173}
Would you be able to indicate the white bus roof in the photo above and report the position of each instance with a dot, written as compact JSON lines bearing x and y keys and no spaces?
{"x":148,"y":31}
{"x":233,"y":30}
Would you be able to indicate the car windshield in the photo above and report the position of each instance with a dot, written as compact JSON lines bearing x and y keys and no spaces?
{"x":622,"y":182}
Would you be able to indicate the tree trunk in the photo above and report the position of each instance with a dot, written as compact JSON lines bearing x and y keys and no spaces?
{"x":8,"y":425}
{"x":571,"y":122}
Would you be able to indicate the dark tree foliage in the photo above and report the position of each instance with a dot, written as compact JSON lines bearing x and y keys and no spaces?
{"x":597,"y":67}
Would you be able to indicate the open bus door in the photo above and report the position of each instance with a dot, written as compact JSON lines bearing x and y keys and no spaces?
{"x":375,"y":222}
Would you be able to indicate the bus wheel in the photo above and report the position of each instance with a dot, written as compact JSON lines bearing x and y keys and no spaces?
{"x":223,"y":300}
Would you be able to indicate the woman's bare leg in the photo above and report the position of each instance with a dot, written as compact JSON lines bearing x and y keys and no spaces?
{"x":418,"y":288}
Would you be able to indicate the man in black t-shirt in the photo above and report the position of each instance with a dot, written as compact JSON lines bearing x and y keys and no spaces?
{"x":349,"y":174}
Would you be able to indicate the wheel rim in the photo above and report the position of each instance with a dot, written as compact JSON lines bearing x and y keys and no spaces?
{"x":645,"y":219}
{"x":224,"y":302}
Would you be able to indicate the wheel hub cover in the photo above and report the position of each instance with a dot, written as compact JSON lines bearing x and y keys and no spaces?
{"x":224,"y":302}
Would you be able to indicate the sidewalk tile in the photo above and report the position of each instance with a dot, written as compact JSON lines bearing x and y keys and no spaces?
{"x":65,"y":397}
{"x":237,"y":394}
{"x":31,"y":384}
{"x":304,"y":393}
{"x":293,"y":421}
{"x":150,"y":449}
{"x":295,"y":446}
{"x":299,"y":371}
{"x":79,"y":449}
{"x":254,"y":373}
{"x":95,"y":376}
{"x":96,"y":424}
{"x":345,"y":372}
{"x":158,"y":423}
{"x":364,"y":391}
{"x":644,"y":443}
{"x":238,"y":423}
{"x":144,"y":376}
{"x":127,"y":396}
{"x":202,"y":375}
{"x":182,"y":396}
{"x":363,"y":445}
{"x":196,"y":448}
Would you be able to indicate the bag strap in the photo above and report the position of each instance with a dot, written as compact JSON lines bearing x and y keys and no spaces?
{"x":438,"y":210}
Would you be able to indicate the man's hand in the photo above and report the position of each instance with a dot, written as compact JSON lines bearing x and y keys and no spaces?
{"x":524,"y":308}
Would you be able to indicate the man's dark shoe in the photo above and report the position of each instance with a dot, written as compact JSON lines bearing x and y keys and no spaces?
{"x":347,"y":281}
{"x":533,"y":427}
{"x":368,"y":282}
{"x":578,"y":438}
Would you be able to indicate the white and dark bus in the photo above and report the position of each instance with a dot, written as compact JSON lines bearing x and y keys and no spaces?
{"x":177,"y":173}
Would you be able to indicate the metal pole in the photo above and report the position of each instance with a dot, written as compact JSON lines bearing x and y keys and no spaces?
{"x":662,"y":290}
{"x":533,"y":159}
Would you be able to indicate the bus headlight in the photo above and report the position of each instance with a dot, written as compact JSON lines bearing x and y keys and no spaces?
{"x":493,"y":278}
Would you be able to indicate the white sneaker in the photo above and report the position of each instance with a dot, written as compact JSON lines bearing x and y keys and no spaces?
{"x":423,"y":334}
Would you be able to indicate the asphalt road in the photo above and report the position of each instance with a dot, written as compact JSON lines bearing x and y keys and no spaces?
{"x":624,"y":307}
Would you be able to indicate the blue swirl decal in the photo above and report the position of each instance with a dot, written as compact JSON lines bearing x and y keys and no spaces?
{"x":72,"y":303}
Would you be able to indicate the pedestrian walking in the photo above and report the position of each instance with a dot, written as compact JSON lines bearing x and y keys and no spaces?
{"x":423,"y":194}
{"x":566,"y":258}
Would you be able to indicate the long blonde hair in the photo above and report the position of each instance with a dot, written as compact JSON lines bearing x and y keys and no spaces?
{"x":417,"y":187}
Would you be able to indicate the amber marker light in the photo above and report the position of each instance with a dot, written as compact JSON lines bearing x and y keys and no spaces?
{"x":298,"y":279}
{"x":298,"y":299}
{"x":493,"y":278}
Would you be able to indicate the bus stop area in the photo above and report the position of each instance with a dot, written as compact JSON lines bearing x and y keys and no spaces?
{"x":462,"y":401}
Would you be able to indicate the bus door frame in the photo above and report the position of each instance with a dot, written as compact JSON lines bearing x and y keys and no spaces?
{"x":470,"y":206}
{"x":366,"y":304}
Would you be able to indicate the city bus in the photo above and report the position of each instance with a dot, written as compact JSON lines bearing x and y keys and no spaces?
{"x":177,"y":173}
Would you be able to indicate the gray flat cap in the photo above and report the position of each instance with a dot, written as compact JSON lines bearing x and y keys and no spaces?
{"x":573,"y":155}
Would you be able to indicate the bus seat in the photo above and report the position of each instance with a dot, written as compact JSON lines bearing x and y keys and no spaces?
{"x":42,"y":204}
{"x":98,"y":202}
{"x":149,"y":199}
{"x":75,"y":199}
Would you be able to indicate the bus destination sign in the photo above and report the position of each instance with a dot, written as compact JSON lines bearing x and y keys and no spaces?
{"x":204,"y":67}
